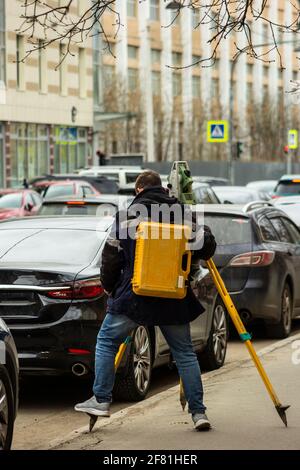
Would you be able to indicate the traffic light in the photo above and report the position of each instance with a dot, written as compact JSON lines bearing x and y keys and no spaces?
{"x":239,"y":149}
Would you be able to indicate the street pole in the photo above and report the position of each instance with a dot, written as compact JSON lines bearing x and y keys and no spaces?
{"x":231,"y":172}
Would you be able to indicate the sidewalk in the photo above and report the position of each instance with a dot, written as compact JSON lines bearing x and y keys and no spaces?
{"x":240,"y":410}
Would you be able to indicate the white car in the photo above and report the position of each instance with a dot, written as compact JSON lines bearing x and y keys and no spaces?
{"x":124,"y":176}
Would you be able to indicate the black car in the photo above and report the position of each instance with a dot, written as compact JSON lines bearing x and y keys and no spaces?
{"x":258,"y":255}
{"x":102,"y":184}
{"x":9,"y":386}
{"x":53,"y":302}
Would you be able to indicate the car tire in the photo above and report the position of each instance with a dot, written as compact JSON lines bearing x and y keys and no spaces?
{"x":214,"y":354}
{"x":135,"y":384}
{"x":7,"y":410}
{"x":282,"y":329}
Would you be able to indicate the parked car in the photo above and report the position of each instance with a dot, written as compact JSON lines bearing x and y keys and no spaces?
{"x":102,"y":184}
{"x":69,"y":188}
{"x":210,"y":180}
{"x":9,"y":385}
{"x":54,"y":303}
{"x":291,"y":206}
{"x":205,"y":194}
{"x":258,"y":255}
{"x":288,"y":185}
{"x":102,"y":206}
{"x":267,"y":186}
{"x":123,"y":175}
{"x":239,"y":194}
{"x":18,"y":203}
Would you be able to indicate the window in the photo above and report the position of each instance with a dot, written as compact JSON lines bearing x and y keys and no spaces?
{"x":155,"y":56}
{"x":281,"y":230}
{"x":267,"y":230}
{"x":131,"y":8}
{"x":250,"y":69}
{"x":293,"y":230}
{"x":175,"y":17}
{"x":29,"y":151}
{"x":156,"y":83}
{"x":195,"y":17}
{"x":82,"y":72}
{"x":2,"y":42}
{"x":249,"y":91}
{"x":196,"y":58}
{"x":63,"y":86}
{"x":266,"y":31}
{"x":70,"y":149}
{"x":108,"y":74}
{"x":177,"y":59}
{"x":196,"y":87}
{"x":177,"y":83}
{"x":133,"y":52}
{"x":20,"y":52}
{"x":42,"y":67}
{"x":154,"y":10}
{"x":132,"y":79}
{"x":96,"y":69}
{"x":215,"y":88}
{"x":266,"y":71}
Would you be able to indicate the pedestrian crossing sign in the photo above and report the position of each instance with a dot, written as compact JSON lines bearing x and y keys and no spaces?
{"x":293,"y":139}
{"x":217,"y":131}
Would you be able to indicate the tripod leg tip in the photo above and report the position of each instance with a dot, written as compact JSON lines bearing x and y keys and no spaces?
{"x":93,"y":421}
{"x":281,"y":409}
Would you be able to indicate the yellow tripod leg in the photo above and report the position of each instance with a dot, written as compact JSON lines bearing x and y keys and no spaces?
{"x":245,"y":337}
{"x":118,"y":359}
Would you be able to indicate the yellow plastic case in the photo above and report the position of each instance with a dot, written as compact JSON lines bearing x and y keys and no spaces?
{"x":162,"y":262}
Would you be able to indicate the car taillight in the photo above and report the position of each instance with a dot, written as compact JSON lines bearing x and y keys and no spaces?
{"x":89,"y":289}
{"x":255,"y":258}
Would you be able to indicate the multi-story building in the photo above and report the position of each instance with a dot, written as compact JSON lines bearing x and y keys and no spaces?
{"x":152,"y":39}
{"x":46,"y":113}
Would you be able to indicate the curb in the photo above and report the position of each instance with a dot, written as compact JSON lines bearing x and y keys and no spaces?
{"x":140,"y":407}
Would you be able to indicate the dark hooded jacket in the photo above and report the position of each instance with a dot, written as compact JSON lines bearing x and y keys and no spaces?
{"x":118,"y":265}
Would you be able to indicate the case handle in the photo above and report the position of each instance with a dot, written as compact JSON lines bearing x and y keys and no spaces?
{"x":186,"y":261}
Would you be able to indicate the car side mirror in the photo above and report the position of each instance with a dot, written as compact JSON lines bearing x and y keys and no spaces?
{"x":227,"y":202}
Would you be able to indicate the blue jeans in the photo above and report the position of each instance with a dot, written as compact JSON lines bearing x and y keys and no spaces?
{"x":116,"y":328}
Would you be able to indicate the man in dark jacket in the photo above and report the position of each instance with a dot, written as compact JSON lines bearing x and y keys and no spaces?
{"x":126,"y":310}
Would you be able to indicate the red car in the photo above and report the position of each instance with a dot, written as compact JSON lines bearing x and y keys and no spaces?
{"x":69,"y":188}
{"x":18,"y":203}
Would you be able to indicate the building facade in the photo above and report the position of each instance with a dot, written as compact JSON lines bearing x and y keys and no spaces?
{"x":46,"y":113}
{"x":152,"y":40}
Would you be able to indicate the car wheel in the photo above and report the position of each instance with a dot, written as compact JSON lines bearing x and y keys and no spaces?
{"x":135,"y":384}
{"x":214,"y":353}
{"x":282,"y":329}
{"x":6,"y":410}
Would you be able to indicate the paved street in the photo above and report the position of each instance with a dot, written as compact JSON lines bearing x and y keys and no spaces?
{"x":242,"y":415}
{"x":46,"y":407}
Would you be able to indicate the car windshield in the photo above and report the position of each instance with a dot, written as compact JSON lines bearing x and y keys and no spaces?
{"x":287,"y":187}
{"x":49,"y":246}
{"x":101,"y":210}
{"x":235,"y":196}
{"x":11,"y":201}
{"x":230,"y":230}
{"x":59,"y":190}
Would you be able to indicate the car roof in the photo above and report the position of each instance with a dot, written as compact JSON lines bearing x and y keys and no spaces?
{"x":285,"y":200}
{"x":101,"y":199}
{"x":99,"y":224}
{"x":289,"y":177}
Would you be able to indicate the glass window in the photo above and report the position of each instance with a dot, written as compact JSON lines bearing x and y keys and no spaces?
{"x":133,"y":79}
{"x":195,"y":58}
{"x":155,"y":56}
{"x":2,"y":42}
{"x":230,"y":230}
{"x":175,"y":17}
{"x":108,"y":74}
{"x":177,"y":59}
{"x":267,"y":230}
{"x":196,"y":86}
{"x":177,"y":83}
{"x":293,"y":230}
{"x":96,"y":68}
{"x":36,"y":199}
{"x":154,"y":10}
{"x":156,"y":83}
{"x":131,"y":8}
{"x":1,"y":154}
{"x":11,"y":201}
{"x":58,"y":190}
{"x":133,"y":52}
{"x":20,"y":52}
{"x":281,"y":230}
{"x":195,"y":17}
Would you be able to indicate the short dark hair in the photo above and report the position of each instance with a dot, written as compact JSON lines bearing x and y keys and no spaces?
{"x":147,"y":179}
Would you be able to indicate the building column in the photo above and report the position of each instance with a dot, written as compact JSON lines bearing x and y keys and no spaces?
{"x":258,"y":88}
{"x":273,"y":55}
{"x":166,"y":82}
{"x":7,"y":156}
{"x":288,"y":52}
{"x":121,"y":45}
{"x":206,"y":78}
{"x":187,"y":86}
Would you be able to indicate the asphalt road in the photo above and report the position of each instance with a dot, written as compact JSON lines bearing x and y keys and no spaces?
{"x":46,"y":403}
